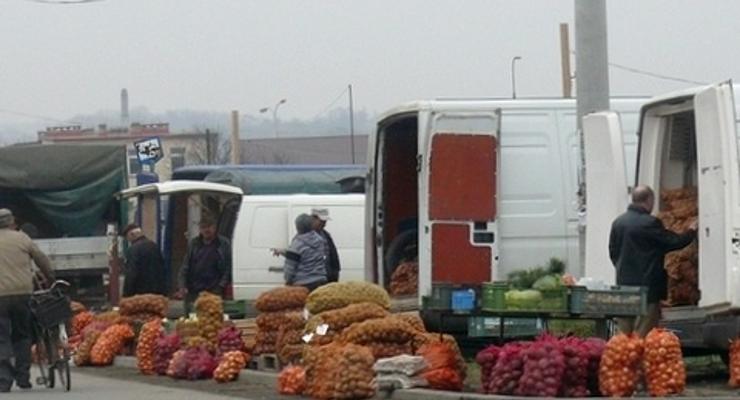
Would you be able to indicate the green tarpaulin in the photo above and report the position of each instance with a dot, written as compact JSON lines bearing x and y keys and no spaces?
{"x":65,"y":190}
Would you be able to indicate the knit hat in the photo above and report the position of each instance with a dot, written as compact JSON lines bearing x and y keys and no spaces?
{"x":6,"y":218}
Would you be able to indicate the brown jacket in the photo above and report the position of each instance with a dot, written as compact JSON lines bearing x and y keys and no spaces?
{"x":16,"y":252}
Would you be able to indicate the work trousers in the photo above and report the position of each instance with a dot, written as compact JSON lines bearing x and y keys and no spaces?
{"x":15,"y":340}
{"x":642,"y":324}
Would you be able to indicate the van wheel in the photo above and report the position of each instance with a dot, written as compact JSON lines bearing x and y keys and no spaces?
{"x":398,"y":249}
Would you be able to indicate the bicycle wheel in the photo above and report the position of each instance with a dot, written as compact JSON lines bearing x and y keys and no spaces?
{"x":62,"y":363}
{"x":52,"y":354}
{"x":41,"y":353}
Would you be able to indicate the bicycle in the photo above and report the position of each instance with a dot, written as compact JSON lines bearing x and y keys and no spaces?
{"x":51,"y":310}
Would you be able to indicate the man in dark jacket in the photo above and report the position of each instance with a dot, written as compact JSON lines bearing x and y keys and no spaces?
{"x":321,"y":217}
{"x":207,"y":265}
{"x":144,"y":264}
{"x":638,"y":244}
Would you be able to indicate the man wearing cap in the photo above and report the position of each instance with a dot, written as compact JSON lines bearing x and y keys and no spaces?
{"x":207,"y":265}
{"x":320,"y":217}
{"x":144,"y":264}
{"x":16,"y":285}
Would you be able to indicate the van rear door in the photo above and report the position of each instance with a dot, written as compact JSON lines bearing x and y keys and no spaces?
{"x":459,"y":184}
{"x":716,"y":144}
{"x":606,"y":188}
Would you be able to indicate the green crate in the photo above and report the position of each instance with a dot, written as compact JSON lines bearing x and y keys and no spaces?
{"x":235,"y":309}
{"x":513,"y":327}
{"x":616,"y":301}
{"x":494,"y":296}
{"x":441,"y":297}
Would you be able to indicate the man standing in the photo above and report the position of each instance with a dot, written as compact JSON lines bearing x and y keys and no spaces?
{"x":638,"y":243}
{"x":16,"y":285}
{"x":144,"y":264}
{"x":207,"y":265}
{"x":321,"y":217}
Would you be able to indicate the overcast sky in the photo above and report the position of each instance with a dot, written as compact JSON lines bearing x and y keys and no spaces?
{"x":62,"y":60}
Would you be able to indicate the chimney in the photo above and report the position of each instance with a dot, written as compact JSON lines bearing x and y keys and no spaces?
{"x":124,"y":108}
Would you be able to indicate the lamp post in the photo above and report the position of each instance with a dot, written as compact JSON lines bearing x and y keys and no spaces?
{"x":513,"y":76}
{"x":274,"y":114}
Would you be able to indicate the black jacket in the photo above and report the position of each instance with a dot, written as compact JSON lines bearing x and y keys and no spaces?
{"x":144,"y":269}
{"x":332,"y":258}
{"x":213,"y":280}
{"x":638,"y":243}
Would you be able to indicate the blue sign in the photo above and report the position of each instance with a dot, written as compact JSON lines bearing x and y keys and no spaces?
{"x":149,"y":151}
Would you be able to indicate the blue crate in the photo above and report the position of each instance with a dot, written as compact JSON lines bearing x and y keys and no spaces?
{"x":463,"y":300}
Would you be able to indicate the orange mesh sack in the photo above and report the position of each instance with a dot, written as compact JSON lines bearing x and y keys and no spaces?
{"x":665,"y":372}
{"x":110,"y":343}
{"x":150,"y":332}
{"x":619,"y":369}
{"x":282,"y":298}
{"x":292,"y":380}
{"x":735,"y":363}
{"x":320,"y":363}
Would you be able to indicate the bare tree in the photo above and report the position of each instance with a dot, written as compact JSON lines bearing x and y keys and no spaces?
{"x":214,"y":149}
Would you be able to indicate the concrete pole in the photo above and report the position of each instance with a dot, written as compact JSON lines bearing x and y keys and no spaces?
{"x":235,"y":148}
{"x":592,"y":88}
{"x":565,"y":62}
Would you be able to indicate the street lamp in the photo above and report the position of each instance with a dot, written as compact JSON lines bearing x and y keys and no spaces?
{"x":274,"y":114}
{"x":513,"y":76}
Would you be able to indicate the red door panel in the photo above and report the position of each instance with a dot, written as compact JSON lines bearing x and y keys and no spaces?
{"x":462,"y":178}
{"x":455,"y":259}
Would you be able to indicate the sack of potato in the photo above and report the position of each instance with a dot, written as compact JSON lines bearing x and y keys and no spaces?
{"x":354,"y":375}
{"x":387,"y":349}
{"x":320,"y":363}
{"x":209,"y":308}
{"x":144,"y":304}
{"x":272,"y":321}
{"x":291,"y":354}
{"x":341,"y":294}
{"x":339,"y":319}
{"x":414,"y":320}
{"x":386,"y":330}
{"x":82,"y":356}
{"x":265,"y":342}
{"x":405,"y":280}
{"x":282,"y":298}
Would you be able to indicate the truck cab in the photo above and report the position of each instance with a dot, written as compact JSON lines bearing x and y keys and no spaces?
{"x":687,"y":147}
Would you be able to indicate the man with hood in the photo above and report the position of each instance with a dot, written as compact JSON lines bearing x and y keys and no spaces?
{"x":305,"y":259}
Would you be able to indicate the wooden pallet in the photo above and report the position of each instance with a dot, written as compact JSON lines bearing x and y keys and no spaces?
{"x":266,"y":362}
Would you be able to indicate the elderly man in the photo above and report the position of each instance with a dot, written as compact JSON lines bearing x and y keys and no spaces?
{"x":305,"y":259}
{"x":320,"y":218}
{"x":638,"y":244}
{"x":144,"y":264}
{"x":16,"y":285}
{"x":207,"y":266}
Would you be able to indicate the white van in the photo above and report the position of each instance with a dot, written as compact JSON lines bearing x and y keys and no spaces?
{"x":686,"y":138}
{"x":255,"y":224}
{"x":485,"y":186}
{"x":267,"y":222}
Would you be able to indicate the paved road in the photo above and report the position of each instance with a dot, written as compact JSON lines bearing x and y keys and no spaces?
{"x":100,"y":385}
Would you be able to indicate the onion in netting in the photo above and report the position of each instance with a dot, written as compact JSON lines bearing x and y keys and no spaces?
{"x":544,"y":365}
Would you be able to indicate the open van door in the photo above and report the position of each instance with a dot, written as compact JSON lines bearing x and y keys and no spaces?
{"x":459,"y":197}
{"x":606,"y":189}
{"x":716,"y":144}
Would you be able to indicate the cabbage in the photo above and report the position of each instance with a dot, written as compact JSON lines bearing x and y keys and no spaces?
{"x":547,"y":282}
{"x":523,"y":299}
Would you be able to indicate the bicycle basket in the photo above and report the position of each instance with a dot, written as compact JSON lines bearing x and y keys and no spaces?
{"x":50,"y":309}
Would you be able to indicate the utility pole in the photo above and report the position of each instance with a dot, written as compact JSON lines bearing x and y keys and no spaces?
{"x":235,"y":137}
{"x":208,"y":146}
{"x":592,"y":89}
{"x":351,"y":123}
{"x":565,"y":61}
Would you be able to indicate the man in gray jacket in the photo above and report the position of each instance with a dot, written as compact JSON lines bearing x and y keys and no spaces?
{"x":305,"y":259}
{"x":16,"y":285}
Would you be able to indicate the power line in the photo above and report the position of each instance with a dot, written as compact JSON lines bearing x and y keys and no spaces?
{"x":332,"y":103}
{"x":651,"y":74}
{"x":33,"y":116}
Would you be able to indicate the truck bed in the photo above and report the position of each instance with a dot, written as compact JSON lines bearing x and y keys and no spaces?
{"x":76,"y":254}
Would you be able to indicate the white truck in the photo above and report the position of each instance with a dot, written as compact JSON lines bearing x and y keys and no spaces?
{"x":686,"y":139}
{"x":483,"y":186}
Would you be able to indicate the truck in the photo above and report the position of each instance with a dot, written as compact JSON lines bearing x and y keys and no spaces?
{"x":479,"y":187}
{"x":687,"y":140}
{"x":62,"y":196}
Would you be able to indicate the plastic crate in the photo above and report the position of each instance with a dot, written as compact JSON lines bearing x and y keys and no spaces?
{"x":553,"y":301}
{"x":463,"y":300}
{"x":493,"y":297}
{"x":513,"y":327}
{"x":617,"y":301}
{"x":441,"y":298}
{"x":235,"y":309}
